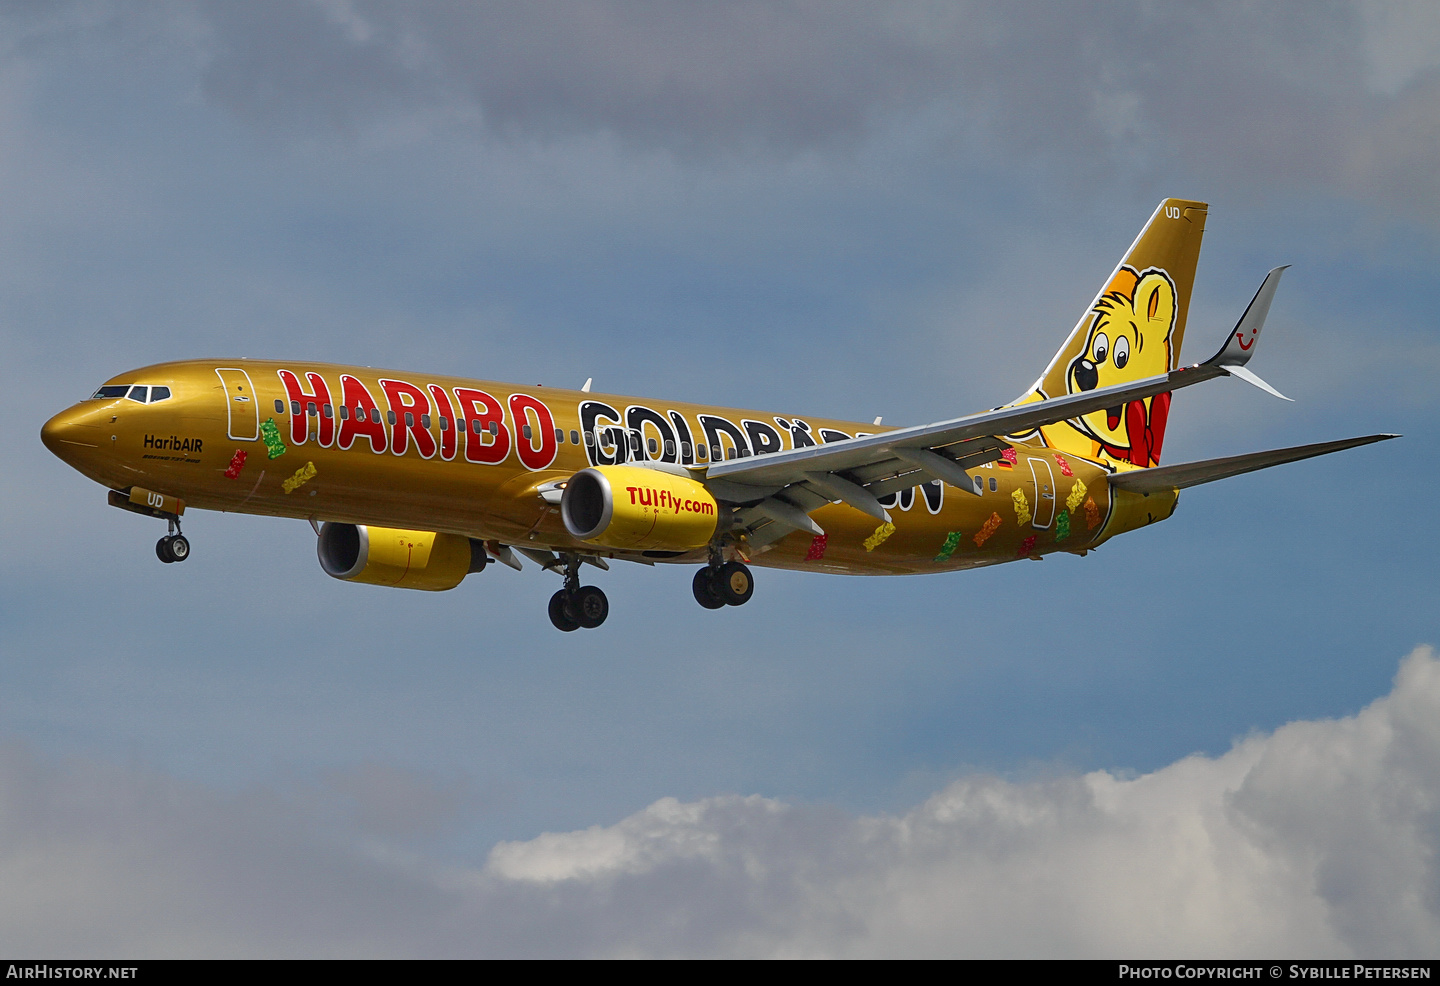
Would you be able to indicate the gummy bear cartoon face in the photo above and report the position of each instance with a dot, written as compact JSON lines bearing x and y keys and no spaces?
{"x":1129,"y":340}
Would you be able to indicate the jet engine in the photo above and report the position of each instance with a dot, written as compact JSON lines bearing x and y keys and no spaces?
{"x":407,"y":559}
{"x":637,"y":509}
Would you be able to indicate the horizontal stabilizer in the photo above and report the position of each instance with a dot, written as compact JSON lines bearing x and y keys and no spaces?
{"x":1241,"y":373}
{"x":1184,"y":474}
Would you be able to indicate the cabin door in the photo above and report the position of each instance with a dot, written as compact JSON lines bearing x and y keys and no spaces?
{"x":1044,"y":490}
{"x":241,"y":404}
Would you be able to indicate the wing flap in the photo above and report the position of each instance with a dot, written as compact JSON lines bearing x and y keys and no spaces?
{"x":783,"y":468}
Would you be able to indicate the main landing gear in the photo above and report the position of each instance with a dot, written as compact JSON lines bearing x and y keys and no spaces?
{"x":729,"y":584}
{"x":577,"y":605}
{"x":174,"y":546}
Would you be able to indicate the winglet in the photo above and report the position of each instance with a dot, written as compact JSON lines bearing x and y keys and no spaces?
{"x":1238,"y":349}
{"x":1241,"y":345}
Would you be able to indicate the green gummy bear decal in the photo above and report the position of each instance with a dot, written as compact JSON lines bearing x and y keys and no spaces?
{"x":948,"y":548}
{"x":270,"y":434}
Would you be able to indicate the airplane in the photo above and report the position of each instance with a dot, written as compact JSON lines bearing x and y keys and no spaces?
{"x":417,"y":480}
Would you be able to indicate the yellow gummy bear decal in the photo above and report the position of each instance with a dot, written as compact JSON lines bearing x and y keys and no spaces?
{"x":991,"y":526}
{"x":302,"y":476}
{"x":878,"y":538}
{"x":1076,"y":497}
{"x":1022,"y":507}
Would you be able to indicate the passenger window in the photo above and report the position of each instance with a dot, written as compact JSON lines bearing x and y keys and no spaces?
{"x":294,"y":407}
{"x":390,"y":416}
{"x":559,"y":436}
{"x":979,"y":484}
{"x":669,"y":447}
{"x":475,"y":425}
{"x":714,"y":451}
{"x":525,"y":430}
{"x":444,"y":424}
{"x":992,"y":484}
{"x":344,"y":412}
{"x":279,"y":406}
{"x":409,"y":419}
{"x":494,"y":429}
{"x":328,"y":411}
{"x":425,"y":421}
{"x":589,"y":438}
{"x":653,"y":446}
{"x":110,"y":393}
{"x":139,"y":394}
{"x":701,"y":452}
{"x":685,"y":450}
{"x":159,"y":394}
{"x":310,"y":409}
{"x":574,"y":437}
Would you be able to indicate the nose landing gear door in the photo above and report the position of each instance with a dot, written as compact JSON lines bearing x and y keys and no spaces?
{"x":1044,"y":489}
{"x":240,"y":403}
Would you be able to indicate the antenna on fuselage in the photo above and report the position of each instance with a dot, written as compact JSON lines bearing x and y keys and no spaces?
{"x":878,"y":417}
{"x":586,"y":389}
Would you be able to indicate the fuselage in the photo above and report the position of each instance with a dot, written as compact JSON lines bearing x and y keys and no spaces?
{"x":362,"y":446}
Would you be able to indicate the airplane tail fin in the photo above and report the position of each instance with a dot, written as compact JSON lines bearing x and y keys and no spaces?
{"x":1133,"y":329}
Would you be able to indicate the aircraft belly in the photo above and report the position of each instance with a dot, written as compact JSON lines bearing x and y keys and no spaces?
{"x":1043,"y":502}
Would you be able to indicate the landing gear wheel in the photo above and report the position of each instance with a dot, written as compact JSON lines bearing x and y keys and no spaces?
{"x":704,"y":588}
{"x":590,"y":607}
{"x":734,"y":584}
{"x":162,"y":550}
{"x":179,"y":548}
{"x":559,"y":614}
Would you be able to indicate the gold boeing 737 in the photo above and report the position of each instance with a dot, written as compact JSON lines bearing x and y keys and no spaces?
{"x":417,"y":480}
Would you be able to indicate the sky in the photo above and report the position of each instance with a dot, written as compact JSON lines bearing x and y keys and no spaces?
{"x":1213,"y":737}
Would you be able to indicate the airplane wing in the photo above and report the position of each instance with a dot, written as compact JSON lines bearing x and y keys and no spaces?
{"x":1186,"y":474}
{"x":778,"y":491}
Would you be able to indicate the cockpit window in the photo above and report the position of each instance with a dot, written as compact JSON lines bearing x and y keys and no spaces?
{"x":138,"y":393}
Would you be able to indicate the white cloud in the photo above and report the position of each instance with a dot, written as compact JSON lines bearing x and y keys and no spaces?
{"x":1317,"y":840}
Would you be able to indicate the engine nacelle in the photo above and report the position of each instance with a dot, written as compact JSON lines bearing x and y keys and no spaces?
{"x":636,"y":509}
{"x":405,"y":559}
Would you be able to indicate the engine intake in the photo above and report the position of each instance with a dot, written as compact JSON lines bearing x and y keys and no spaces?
{"x":405,"y":559}
{"x":638,"y":509}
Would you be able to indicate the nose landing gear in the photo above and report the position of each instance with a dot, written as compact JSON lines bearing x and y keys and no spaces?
{"x":174,"y":546}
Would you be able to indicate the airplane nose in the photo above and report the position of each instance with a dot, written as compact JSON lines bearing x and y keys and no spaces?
{"x":69,"y":433}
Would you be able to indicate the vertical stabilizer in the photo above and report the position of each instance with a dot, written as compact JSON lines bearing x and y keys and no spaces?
{"x":1133,"y":329}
